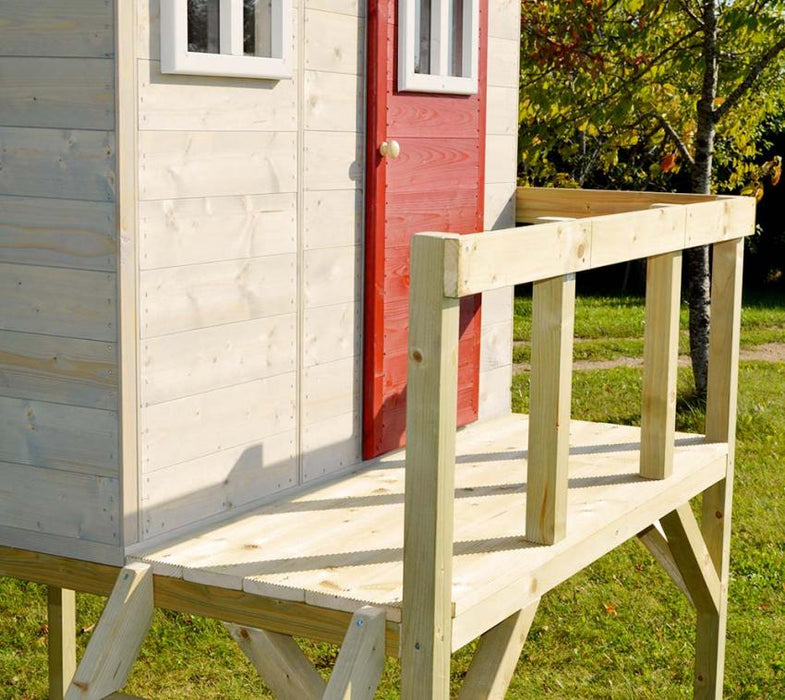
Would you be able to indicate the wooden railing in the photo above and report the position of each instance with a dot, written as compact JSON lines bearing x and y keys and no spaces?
{"x":582,"y":230}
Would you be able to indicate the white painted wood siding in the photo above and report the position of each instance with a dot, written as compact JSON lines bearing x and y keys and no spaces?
{"x":500,"y":180}
{"x":250,"y":257}
{"x":59,"y":462}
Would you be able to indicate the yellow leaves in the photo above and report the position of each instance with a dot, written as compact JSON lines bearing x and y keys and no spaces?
{"x":754,"y":189}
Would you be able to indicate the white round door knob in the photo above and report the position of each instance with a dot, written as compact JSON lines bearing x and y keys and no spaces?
{"x":390,"y":149}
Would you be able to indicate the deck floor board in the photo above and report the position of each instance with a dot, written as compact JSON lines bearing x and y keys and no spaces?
{"x":339,"y":545}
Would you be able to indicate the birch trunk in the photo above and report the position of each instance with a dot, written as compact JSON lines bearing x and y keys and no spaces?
{"x":698,"y":258}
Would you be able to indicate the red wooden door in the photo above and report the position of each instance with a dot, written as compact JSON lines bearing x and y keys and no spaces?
{"x":435,"y":184}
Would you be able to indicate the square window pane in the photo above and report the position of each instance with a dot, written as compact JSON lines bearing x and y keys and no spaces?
{"x":204,"y":18}
{"x":257,"y":24}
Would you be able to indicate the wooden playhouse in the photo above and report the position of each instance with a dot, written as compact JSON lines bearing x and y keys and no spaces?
{"x":211,"y":296}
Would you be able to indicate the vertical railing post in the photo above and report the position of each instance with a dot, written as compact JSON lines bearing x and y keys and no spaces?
{"x":720,"y":427}
{"x":553,"y":320}
{"x":660,"y":364}
{"x":430,"y":474}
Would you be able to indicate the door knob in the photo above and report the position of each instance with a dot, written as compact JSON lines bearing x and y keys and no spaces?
{"x":390,"y":149}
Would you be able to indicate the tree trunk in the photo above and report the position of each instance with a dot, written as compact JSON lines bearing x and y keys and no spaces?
{"x":698,"y":258}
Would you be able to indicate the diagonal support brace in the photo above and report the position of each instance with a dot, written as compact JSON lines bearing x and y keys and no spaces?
{"x":691,"y":555}
{"x":497,"y":656}
{"x":118,"y":636}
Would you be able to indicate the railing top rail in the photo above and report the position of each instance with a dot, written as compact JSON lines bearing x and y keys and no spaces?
{"x":483,"y":261}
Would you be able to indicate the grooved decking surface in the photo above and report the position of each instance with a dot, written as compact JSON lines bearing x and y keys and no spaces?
{"x":339,"y":544}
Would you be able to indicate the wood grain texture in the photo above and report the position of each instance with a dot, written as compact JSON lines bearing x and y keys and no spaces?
{"x":333,"y":102}
{"x":660,"y":359}
{"x":360,"y":662}
{"x":331,"y":276}
{"x":58,"y":436}
{"x":553,"y":321}
{"x":175,"y":164}
{"x":430,"y":473}
{"x":118,"y":636}
{"x":58,"y":233}
{"x":194,"y":362}
{"x":64,"y":93}
{"x":67,"y":504}
{"x":178,"y":232}
{"x":62,"y":164}
{"x":56,"y":301}
{"x":333,"y":42}
{"x":61,"y":620}
{"x":212,"y":294}
{"x":196,"y":426}
{"x":220,"y":482}
{"x":58,"y":370}
{"x":496,"y":657}
{"x":332,"y":161}
{"x":206,"y":103}
{"x":52,"y":28}
{"x":342,"y":208}
{"x":280,"y":662}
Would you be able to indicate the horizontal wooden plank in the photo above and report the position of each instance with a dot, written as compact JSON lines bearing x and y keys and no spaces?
{"x":79,"y":506}
{"x":480,"y":262}
{"x":333,"y":218}
{"x":499,"y":205}
{"x":193,"y":362}
{"x":42,"y":543}
{"x":442,"y":165}
{"x":502,"y":112}
{"x":440,"y":116}
{"x":64,"y":93}
{"x":334,"y":42}
{"x":56,"y":301}
{"x":333,"y":161}
{"x":332,"y":276}
{"x":58,"y":233}
{"x":198,"y":296}
{"x":176,"y":232}
{"x":58,"y":370}
{"x":242,"y":608}
{"x":206,"y":103}
{"x":535,"y":202}
{"x":70,"y":438}
{"x":333,"y":102}
{"x":56,"y":28}
{"x":175,"y":164}
{"x":503,"y":57}
{"x":218,"y":483}
{"x":196,"y":426}
{"x":504,"y":20}
{"x":331,"y":389}
{"x":331,"y":333}
{"x":344,"y":7}
{"x":501,"y":158}
{"x":62,"y":164}
{"x":331,"y":446}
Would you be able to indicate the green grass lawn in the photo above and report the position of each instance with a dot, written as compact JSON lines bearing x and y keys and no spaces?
{"x":619,"y":629}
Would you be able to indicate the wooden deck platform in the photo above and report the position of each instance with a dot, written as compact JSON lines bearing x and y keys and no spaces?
{"x":339,"y":545}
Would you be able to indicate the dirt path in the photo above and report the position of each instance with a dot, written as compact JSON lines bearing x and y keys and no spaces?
{"x":769,"y":352}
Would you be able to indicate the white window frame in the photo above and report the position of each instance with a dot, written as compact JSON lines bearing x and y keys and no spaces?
{"x":439,"y":79}
{"x":231,"y":62}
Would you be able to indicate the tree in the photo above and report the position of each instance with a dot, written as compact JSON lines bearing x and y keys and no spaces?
{"x":652,"y":95}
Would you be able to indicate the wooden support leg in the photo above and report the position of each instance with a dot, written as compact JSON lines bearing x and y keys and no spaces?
{"x":117,"y":638}
{"x":496,"y":657}
{"x":720,"y":427}
{"x":280,"y":662}
{"x":62,"y":640}
{"x":361,"y":661}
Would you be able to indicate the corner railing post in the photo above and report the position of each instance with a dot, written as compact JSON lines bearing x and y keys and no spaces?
{"x":720,"y":427}
{"x":426,"y":642}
